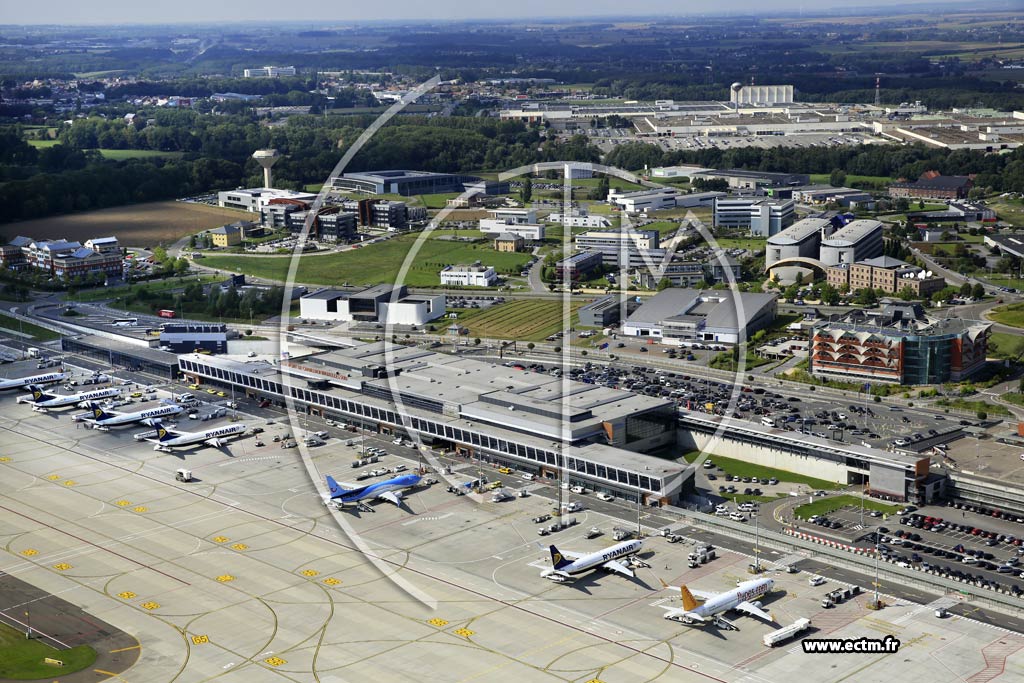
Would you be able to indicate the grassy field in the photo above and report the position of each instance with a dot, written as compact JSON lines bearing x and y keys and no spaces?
{"x":1009,"y":210}
{"x":38,"y":333}
{"x":973,"y":406}
{"x":42,"y":143}
{"x":116,"y":154}
{"x":824,"y":506}
{"x":437,"y":201}
{"x":104,"y":293}
{"x":823,"y":179}
{"x":22,"y":659}
{"x":1012,"y":315}
{"x":375,"y":264}
{"x":137,"y":225}
{"x":1013,"y":397}
{"x":1003,"y":345}
{"x":664,"y":228}
{"x":521,"y":320}
{"x":740,"y":468}
{"x":752,"y":244}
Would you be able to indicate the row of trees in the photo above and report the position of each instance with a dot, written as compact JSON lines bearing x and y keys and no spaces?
{"x":211,"y":301}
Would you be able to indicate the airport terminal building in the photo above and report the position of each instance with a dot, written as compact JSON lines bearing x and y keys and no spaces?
{"x":488,"y":413}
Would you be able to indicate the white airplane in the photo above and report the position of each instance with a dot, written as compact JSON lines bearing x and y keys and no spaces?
{"x":49,"y":378}
{"x":167,"y":439}
{"x":103,"y":420}
{"x":390,"y":490}
{"x":710,"y":607}
{"x":41,"y":400}
{"x":564,"y":565}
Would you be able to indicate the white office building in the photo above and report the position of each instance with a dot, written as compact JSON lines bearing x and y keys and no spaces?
{"x":386,"y":304}
{"x":630,"y":248}
{"x":476,"y":275}
{"x":642,"y":201}
{"x":528,"y":231}
{"x":255,"y":199}
{"x":680,"y":316}
{"x":855,"y":241}
{"x":763,"y":217}
{"x":270,"y":72}
{"x":578,"y":218}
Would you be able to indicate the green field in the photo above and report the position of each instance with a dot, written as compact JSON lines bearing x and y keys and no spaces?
{"x":664,"y":228}
{"x":104,"y":293}
{"x":22,"y":659}
{"x":522,"y":320}
{"x":375,"y":264}
{"x":1009,"y":210}
{"x":823,"y":179}
{"x":751,"y":244}
{"x":1012,"y":315}
{"x":38,"y":333}
{"x":42,"y":143}
{"x":740,"y":468}
{"x":1003,"y":345}
{"x":824,"y":506}
{"x":437,"y":201}
{"x":1001,"y":281}
{"x":116,"y":154}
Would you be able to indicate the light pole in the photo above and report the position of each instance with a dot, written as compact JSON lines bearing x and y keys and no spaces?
{"x":28,"y":625}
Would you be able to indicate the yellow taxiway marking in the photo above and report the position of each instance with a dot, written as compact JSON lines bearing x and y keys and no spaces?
{"x":125,"y":649}
{"x":199,"y":640}
{"x":70,"y":482}
{"x":140,"y":508}
{"x":224,"y":578}
{"x":309,"y":572}
{"x":127,"y":595}
{"x":331,"y":581}
{"x":62,"y":567}
{"x":123,"y":503}
{"x":437,"y":622}
{"x":53,"y":477}
{"x":150,"y":605}
{"x":4,"y":459}
{"x":240,"y":546}
{"x":464,"y":632}
{"x":221,"y":539}
{"x":29,"y":552}
{"x":108,"y":673}
{"x":275,"y":661}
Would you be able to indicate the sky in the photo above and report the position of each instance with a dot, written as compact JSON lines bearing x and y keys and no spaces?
{"x":202,"y":11}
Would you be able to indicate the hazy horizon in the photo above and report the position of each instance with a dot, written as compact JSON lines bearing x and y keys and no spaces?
{"x":121,"y":12}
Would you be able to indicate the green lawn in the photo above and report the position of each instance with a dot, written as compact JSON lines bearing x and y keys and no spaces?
{"x":1013,"y":397}
{"x":42,"y":143}
{"x":1003,"y":345}
{"x":824,"y":506}
{"x":974,"y":406}
{"x":437,"y":201}
{"x":22,"y":659}
{"x":664,"y":228}
{"x":39,"y":333}
{"x":521,"y":320}
{"x":1009,"y":210}
{"x":1001,"y":281}
{"x":375,"y":264}
{"x":751,"y":244}
{"x":121,"y":154}
{"x":1012,"y":315}
{"x":741,"y":468}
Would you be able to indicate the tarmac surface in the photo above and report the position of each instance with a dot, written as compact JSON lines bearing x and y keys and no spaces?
{"x":245,"y":575}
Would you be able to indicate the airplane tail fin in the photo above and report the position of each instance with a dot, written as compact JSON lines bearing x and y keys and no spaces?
{"x":37,"y":393}
{"x":97,"y":412}
{"x":557,"y":559}
{"x":689,"y":602}
{"x":334,"y":487}
{"x":162,"y":433}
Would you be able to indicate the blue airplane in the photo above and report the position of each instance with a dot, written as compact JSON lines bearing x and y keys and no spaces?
{"x":390,"y":490}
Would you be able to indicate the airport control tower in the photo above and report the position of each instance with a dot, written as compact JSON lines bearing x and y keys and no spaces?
{"x":266,"y":158}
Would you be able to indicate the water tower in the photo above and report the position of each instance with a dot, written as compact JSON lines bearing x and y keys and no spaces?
{"x":266,"y":158}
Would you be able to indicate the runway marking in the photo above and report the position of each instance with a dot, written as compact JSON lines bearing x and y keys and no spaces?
{"x":127,"y":595}
{"x":123,"y":503}
{"x":108,"y":673}
{"x":29,"y":552}
{"x":62,"y":567}
{"x":53,"y":477}
{"x":5,"y":459}
{"x":224,"y":578}
{"x":239,"y":546}
{"x":150,"y":605}
{"x":331,"y":581}
{"x":70,"y":482}
{"x":309,"y":572}
{"x":221,"y":539}
{"x":464,"y":632}
{"x":140,"y":508}
{"x":440,"y":623}
{"x":275,"y":661}
{"x":125,"y":649}
{"x":199,"y":640}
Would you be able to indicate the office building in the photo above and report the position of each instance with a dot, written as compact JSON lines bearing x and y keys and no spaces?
{"x":408,"y":183}
{"x":623,"y":248}
{"x":531,"y":232}
{"x":693,"y":274}
{"x":742,"y":179}
{"x":884,"y":273}
{"x":588,"y":434}
{"x":755,"y":95}
{"x":393,"y":216}
{"x":226,"y":235}
{"x":1011,"y":244}
{"x":933,"y":185}
{"x":269,"y":72}
{"x":763,"y":217}
{"x":698,"y":199}
{"x":256,"y":198}
{"x":195,"y":337}
{"x":385,"y":304}
{"x":507,"y":242}
{"x":475,"y":275}
{"x":62,"y":259}
{"x":687,"y":315}
{"x":606,"y":311}
{"x":579,"y":218}
{"x":856,"y":241}
{"x":897,"y":344}
{"x":579,"y":266}
{"x":643,"y":201}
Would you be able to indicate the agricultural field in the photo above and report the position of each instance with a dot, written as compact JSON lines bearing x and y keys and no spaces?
{"x":137,"y":225}
{"x":375,"y":264}
{"x":521,"y":320}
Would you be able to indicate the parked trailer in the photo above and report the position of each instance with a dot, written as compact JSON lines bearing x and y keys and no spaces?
{"x":786,"y":632}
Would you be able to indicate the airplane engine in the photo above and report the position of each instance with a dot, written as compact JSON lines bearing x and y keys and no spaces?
{"x":756,"y":604}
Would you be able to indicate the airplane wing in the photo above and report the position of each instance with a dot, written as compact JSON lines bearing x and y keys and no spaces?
{"x":391,"y":497}
{"x":616,"y":566}
{"x":748,"y":608}
{"x":214,"y":443}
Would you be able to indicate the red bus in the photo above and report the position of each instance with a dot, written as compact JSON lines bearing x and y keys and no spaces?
{"x":165,"y":313}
